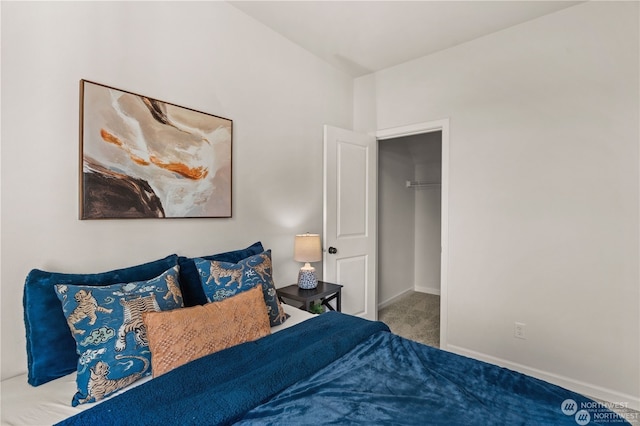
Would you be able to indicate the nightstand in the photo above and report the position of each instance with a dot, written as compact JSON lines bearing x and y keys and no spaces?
{"x":325,"y":291}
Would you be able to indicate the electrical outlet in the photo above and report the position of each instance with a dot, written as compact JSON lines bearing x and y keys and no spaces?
{"x":518,"y":330}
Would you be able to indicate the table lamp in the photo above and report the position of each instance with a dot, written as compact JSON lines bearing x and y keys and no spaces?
{"x":307,"y":248}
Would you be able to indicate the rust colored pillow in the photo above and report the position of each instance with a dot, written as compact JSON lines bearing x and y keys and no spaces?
{"x":182,"y":335}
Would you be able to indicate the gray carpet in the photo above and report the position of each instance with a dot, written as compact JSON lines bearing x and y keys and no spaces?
{"x":415,"y":316}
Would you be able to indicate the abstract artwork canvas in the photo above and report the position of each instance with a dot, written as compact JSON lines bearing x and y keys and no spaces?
{"x":144,"y":158}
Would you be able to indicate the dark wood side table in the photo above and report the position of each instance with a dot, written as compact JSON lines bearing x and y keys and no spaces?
{"x":325,"y":291}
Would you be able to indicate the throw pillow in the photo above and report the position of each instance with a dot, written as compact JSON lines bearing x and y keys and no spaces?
{"x":111,"y":339}
{"x":51,"y":350}
{"x":182,"y":335}
{"x":221,"y":280}
{"x":190,"y":280}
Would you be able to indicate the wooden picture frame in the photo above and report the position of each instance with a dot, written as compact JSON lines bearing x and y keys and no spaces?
{"x":145,"y":158}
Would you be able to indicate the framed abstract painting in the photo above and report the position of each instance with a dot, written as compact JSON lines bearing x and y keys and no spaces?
{"x":145,"y":158}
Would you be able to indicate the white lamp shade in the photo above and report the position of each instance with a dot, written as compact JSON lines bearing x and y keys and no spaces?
{"x":307,"y":248}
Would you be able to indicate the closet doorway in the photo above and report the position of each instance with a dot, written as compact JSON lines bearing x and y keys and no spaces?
{"x":412,"y":206}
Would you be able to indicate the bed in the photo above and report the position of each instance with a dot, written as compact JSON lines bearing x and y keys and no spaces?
{"x":50,"y":403}
{"x":299,"y":369}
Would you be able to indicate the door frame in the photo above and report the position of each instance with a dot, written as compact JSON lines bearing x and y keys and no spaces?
{"x":429,"y":127}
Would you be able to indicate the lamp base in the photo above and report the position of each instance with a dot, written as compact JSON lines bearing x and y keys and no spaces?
{"x":307,"y":279}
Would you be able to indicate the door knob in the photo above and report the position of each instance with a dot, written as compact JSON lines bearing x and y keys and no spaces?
{"x":333,"y":250}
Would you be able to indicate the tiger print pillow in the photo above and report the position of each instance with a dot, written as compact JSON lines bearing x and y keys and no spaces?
{"x":221,"y":280}
{"x":111,"y":338}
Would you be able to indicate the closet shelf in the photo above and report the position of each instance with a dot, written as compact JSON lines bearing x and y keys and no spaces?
{"x":418,"y":184}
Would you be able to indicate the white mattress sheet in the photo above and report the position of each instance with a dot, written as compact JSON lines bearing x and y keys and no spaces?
{"x":24,"y":405}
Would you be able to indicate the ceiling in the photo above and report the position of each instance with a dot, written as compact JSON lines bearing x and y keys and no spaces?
{"x":361,"y":37}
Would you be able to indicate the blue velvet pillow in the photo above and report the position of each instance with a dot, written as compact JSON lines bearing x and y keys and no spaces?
{"x":221,"y":280}
{"x":190,"y":280}
{"x":111,"y":337}
{"x":51,"y":350}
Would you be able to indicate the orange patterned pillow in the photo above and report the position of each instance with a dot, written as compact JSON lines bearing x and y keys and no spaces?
{"x":182,"y":335}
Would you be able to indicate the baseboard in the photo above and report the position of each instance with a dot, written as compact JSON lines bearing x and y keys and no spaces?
{"x":389,"y":301}
{"x":578,"y":386}
{"x":419,"y":289}
{"x":430,"y":290}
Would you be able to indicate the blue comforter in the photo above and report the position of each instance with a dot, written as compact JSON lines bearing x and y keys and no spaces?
{"x":339,"y":369}
{"x":388,"y":380}
{"x":221,"y":387}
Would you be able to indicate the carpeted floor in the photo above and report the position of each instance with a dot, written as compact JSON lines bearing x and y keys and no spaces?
{"x":415,"y":316}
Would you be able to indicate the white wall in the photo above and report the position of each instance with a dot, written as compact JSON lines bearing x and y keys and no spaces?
{"x":203,"y":55}
{"x":428,"y":222}
{"x":544,"y":191}
{"x":396,"y":221}
{"x":428,"y":238}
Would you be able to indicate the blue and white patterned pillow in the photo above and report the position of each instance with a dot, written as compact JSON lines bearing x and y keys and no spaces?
{"x":221,"y":280}
{"x":111,"y":339}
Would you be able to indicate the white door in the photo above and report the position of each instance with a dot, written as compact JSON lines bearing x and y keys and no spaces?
{"x":350,"y":192}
